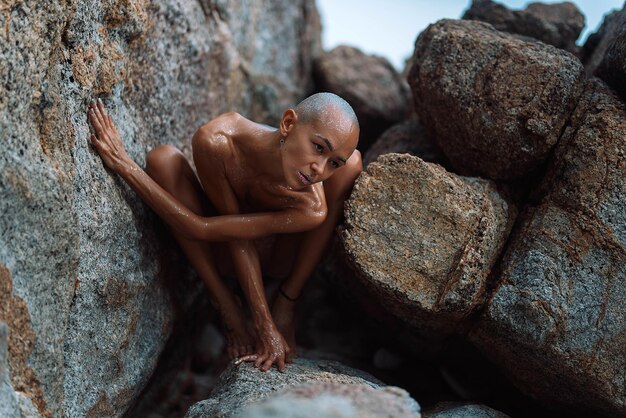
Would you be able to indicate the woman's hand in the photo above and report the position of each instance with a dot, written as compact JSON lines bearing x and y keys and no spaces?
{"x":107,"y":139}
{"x":271,"y":348}
{"x":283,"y":311}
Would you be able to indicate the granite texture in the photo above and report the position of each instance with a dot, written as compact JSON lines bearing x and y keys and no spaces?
{"x":510,"y":99}
{"x":556,"y":24}
{"x":406,"y":137}
{"x":328,"y":388}
{"x":87,"y":271}
{"x":460,"y":410}
{"x":423,"y":240}
{"x":557,"y":319}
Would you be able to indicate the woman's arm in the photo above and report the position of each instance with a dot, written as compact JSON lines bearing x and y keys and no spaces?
{"x":216,"y":228}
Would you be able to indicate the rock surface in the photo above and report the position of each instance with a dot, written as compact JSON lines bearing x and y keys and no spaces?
{"x":77,"y":247}
{"x":455,"y":410}
{"x":557,"y":24}
{"x":557,"y":318}
{"x":245,"y":391}
{"x":13,"y":404}
{"x":334,"y":400}
{"x":406,"y":137}
{"x":423,"y":240}
{"x":510,"y":99}
{"x":378,"y":94}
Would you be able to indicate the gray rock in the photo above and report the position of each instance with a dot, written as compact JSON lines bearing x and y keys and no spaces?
{"x":597,"y":43}
{"x":423,"y":240}
{"x":557,"y":24}
{"x":557,"y":318}
{"x":406,"y":137}
{"x":510,"y":99}
{"x":326,"y":386}
{"x":77,"y":247}
{"x":456,"y":410}
{"x":335,"y":400}
{"x":378,"y":94}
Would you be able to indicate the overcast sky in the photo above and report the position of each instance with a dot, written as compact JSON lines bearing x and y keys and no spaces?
{"x":389,"y":27}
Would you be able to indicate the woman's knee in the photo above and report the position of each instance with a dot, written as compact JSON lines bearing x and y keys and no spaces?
{"x":161,"y":160}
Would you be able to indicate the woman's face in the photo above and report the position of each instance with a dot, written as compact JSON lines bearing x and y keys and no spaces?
{"x":314,"y":151}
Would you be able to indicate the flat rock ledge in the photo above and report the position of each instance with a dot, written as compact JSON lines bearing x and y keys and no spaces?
{"x":422,"y":241}
{"x":309,"y":388}
{"x":509,"y":99}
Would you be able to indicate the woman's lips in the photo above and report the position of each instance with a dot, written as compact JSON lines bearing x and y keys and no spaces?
{"x":304,"y":179}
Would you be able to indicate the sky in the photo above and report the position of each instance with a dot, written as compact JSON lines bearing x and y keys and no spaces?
{"x":389,"y":27}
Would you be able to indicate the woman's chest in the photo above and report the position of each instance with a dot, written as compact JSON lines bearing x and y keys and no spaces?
{"x":259,"y":195}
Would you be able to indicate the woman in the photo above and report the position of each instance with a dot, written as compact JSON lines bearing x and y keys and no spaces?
{"x":253,"y":181}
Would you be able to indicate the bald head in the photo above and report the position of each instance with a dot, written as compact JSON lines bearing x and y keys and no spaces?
{"x":320,"y":106}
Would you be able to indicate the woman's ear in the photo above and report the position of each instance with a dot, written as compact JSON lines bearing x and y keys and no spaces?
{"x":290,"y":117}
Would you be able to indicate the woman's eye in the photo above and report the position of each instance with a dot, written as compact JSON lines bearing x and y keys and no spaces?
{"x":334,"y":164}
{"x":318,"y":148}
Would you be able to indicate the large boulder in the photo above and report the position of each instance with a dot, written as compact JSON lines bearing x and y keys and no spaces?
{"x":378,"y":94}
{"x":557,"y":24}
{"x":423,"y":240}
{"x":308,"y":388}
{"x":557,"y":319}
{"x":77,"y":247}
{"x":510,"y":99}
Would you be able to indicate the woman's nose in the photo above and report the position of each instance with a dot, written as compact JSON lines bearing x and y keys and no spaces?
{"x":317,"y":168}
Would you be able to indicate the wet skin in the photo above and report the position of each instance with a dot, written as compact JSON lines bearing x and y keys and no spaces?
{"x":260,"y":182}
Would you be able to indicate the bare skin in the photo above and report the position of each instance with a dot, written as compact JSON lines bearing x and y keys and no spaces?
{"x":254,"y":182}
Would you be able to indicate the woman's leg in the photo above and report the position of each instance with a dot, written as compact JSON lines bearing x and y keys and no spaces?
{"x":312,"y":247}
{"x":171,"y":170}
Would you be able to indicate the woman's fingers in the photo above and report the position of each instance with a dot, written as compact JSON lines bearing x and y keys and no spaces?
{"x":101,"y":107}
{"x":260,"y":361}
{"x":281,"y":364}
{"x":93,"y":118}
{"x":249,"y":357}
{"x":99,"y":114}
{"x":268,"y":363}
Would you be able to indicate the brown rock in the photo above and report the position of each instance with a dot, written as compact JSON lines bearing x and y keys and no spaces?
{"x":495,"y":105}
{"x":557,"y":24}
{"x":379,"y":96}
{"x":556,"y":322}
{"x":423,"y":240}
{"x":406,"y":137}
